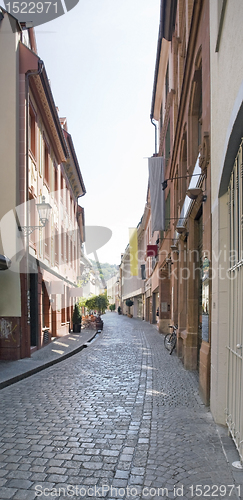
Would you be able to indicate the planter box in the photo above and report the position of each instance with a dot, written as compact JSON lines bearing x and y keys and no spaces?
{"x":99,"y":325}
{"x":77,"y":328}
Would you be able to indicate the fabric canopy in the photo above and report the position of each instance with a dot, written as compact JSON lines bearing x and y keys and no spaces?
{"x":133,"y":243}
{"x":156,"y":177}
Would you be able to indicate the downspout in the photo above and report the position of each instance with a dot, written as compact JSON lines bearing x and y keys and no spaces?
{"x":155,"y":125}
{"x":27,"y":100}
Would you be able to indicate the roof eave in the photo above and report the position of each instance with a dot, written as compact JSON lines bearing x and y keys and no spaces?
{"x":50,"y":99}
{"x":167,"y":23}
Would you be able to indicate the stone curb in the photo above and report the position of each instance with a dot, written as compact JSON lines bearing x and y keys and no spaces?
{"x":44,"y":365}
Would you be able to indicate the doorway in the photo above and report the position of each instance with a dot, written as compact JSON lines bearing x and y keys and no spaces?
{"x":33,"y":309}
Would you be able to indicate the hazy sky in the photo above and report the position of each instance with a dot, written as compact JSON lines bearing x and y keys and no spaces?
{"x":100,"y":59}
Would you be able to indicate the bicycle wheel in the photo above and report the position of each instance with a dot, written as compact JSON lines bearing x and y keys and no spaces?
{"x":173,"y":343}
{"x":167,"y":341}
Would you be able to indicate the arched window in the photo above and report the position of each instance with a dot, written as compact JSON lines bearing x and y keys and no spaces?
{"x":183,"y":169}
{"x":195,"y":111}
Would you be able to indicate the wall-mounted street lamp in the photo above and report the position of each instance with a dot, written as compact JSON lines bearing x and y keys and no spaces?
{"x":181,"y":229}
{"x":44,"y":210}
{"x":165,"y":183}
{"x":174,"y":245}
{"x":193,"y":193}
{"x":5,"y":263}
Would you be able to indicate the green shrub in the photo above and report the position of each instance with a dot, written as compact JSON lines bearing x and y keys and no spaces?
{"x":76,"y":315}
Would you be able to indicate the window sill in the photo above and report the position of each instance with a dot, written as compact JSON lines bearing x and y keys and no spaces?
{"x":33,"y":158}
{"x":47,"y":185}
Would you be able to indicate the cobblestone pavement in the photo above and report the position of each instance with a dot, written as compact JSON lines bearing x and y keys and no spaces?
{"x":120,"y":419}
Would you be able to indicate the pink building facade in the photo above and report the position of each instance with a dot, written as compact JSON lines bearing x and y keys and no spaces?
{"x":45,"y":262}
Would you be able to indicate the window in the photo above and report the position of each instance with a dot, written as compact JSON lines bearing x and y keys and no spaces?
{"x":67,"y":248}
{"x":161,"y":117}
{"x":63,"y":314}
{"x":74,"y":255}
{"x":235,"y":203}
{"x":200,"y":120}
{"x":62,"y":244}
{"x":167,"y":81}
{"x":67,"y":305}
{"x":71,"y":253}
{"x":32,"y":216}
{"x":143,"y":272}
{"x":47,"y":241}
{"x":167,"y":212}
{"x":183,"y":168}
{"x":41,"y":148}
{"x":167,"y":143}
{"x":63,"y":189}
{"x":56,"y":181}
{"x":46,"y":163}
{"x":176,"y":190}
{"x":71,"y":209}
{"x":32,"y":131}
{"x":234,"y":298}
{"x":45,"y":306}
{"x":196,"y":114}
{"x":56,"y":247}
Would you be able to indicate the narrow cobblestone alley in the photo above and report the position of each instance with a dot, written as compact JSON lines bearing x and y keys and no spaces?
{"x":120,"y":419}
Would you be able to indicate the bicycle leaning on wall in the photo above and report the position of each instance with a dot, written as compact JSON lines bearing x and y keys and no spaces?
{"x":171,"y":338}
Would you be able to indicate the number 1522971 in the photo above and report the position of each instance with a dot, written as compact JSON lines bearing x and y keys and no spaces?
{"x":206,"y":490}
{"x":31,"y":7}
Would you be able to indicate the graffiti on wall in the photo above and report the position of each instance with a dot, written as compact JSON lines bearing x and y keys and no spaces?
{"x":6,"y":329}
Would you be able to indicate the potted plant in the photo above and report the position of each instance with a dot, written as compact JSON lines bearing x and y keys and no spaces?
{"x":99,"y":323}
{"x":77,"y":318}
{"x":119,"y":310}
{"x":129,"y":303}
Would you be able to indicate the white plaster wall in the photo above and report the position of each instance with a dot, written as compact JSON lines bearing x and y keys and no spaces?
{"x":226,"y":79}
{"x":226,"y":95}
{"x":10,"y":304}
{"x":9,"y":115}
{"x":111,"y":286}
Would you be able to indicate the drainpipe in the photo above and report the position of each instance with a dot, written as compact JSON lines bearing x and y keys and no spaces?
{"x":155,"y":125}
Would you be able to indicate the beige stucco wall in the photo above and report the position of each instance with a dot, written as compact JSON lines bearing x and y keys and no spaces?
{"x":160,"y":90}
{"x":9,"y":115}
{"x":111,"y":289}
{"x":9,"y":124}
{"x":226,"y":97}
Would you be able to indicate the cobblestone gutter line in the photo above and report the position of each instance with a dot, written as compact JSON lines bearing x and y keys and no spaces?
{"x":123,"y":415}
{"x":186,"y":454}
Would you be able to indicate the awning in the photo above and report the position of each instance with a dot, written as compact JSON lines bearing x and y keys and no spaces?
{"x":156,"y":177}
{"x":152,"y":251}
{"x":196,"y":181}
